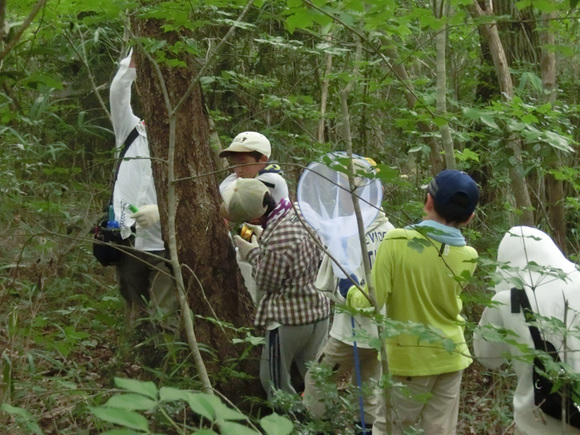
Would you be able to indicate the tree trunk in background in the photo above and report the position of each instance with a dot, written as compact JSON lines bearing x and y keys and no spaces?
{"x":212,"y":281}
{"x":518,"y":183}
{"x":401,"y":72}
{"x":2,"y":24}
{"x":519,"y":35}
{"x":441,"y":42}
{"x":554,"y":187}
{"x":320,"y":136}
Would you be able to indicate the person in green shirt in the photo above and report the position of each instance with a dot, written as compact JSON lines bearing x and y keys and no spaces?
{"x":415,"y":276}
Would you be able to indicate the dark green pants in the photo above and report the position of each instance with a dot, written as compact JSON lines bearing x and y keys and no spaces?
{"x":147,"y":285}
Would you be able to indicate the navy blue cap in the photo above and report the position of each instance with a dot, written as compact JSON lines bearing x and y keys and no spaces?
{"x":446,"y":186}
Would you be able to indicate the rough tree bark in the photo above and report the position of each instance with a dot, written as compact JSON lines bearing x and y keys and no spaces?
{"x":441,"y":42}
{"x":213,"y":284}
{"x":518,"y":183}
{"x":554,"y":187}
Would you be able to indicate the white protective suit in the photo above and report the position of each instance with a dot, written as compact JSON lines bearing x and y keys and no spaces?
{"x":135,"y":183}
{"x":551,"y":283}
{"x":327,"y":282}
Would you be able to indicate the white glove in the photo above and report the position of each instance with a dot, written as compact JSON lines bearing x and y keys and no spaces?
{"x":244,"y":248}
{"x":147,"y":216}
{"x":257,"y":229}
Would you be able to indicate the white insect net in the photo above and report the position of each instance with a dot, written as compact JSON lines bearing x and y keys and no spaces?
{"x":325,"y":201}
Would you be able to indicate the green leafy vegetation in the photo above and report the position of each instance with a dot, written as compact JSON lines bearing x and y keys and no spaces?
{"x":67,"y":364}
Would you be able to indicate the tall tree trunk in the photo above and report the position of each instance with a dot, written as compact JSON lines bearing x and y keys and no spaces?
{"x":519,"y":35}
{"x":2,"y":24}
{"x":518,"y":183}
{"x":324,"y":92}
{"x":554,"y":187}
{"x":441,"y":42}
{"x":212,"y":282}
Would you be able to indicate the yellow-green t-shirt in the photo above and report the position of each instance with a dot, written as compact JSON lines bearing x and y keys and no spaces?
{"x":418,"y":285}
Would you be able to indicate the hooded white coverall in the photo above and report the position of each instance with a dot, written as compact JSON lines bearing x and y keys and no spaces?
{"x":528,"y":257}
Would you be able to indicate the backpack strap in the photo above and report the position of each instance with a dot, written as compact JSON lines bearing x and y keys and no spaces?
{"x":128,"y":141}
{"x":520,"y":302}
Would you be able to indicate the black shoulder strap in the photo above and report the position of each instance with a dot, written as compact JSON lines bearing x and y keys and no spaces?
{"x":519,"y":299}
{"x":128,"y":141}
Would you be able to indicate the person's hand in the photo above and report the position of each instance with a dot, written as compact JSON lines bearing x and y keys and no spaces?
{"x":245,"y":247}
{"x":345,"y":284}
{"x":128,"y":60}
{"x":147,"y":216}
{"x":256,"y":229}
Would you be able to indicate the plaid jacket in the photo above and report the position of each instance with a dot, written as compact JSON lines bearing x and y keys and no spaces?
{"x":285,"y":267}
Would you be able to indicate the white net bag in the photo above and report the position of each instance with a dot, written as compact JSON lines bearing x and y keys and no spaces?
{"x":326,"y":203}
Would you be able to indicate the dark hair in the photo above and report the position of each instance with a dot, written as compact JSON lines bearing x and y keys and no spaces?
{"x":254,"y":154}
{"x":454,"y":211}
{"x":269,"y":202}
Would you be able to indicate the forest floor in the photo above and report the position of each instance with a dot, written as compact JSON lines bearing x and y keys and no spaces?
{"x":63,"y":342}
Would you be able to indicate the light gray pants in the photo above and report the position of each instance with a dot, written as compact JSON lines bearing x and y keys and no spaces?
{"x":286,"y":345}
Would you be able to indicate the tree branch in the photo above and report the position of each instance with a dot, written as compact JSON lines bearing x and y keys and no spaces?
{"x":39,"y":5}
{"x":211,"y":59}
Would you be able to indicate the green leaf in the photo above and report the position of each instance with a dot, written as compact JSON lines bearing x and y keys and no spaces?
{"x":556,"y":140}
{"x":122,"y":417}
{"x":472,"y":113}
{"x":515,"y":125}
{"x":122,"y":432}
{"x":131,"y":401}
{"x":387,"y":174}
{"x":170,"y":394}
{"x":440,"y":121}
{"x":466,"y":155}
{"x":301,"y":19}
{"x":229,"y":428}
{"x":528,"y":118}
{"x":203,"y":404}
{"x":275,"y":424}
{"x":223,"y":412}
{"x":418,"y":244}
{"x":146,"y":388}
{"x":23,"y":417}
{"x":489,"y":121}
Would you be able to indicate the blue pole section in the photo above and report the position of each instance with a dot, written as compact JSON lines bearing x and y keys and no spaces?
{"x":358,"y":380}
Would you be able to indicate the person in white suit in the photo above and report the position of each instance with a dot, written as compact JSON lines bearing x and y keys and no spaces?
{"x":529,"y":258}
{"x":145,"y":280}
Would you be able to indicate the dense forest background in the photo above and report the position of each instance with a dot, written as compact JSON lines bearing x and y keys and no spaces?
{"x":490,"y":88}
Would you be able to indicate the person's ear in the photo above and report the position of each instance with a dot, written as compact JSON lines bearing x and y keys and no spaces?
{"x":263,"y":159}
{"x":469,"y":220}
{"x":429,"y":204}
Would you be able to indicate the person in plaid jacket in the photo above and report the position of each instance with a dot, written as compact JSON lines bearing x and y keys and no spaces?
{"x":285,"y":261}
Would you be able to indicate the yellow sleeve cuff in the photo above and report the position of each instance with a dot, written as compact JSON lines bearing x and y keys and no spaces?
{"x":356,"y":299}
